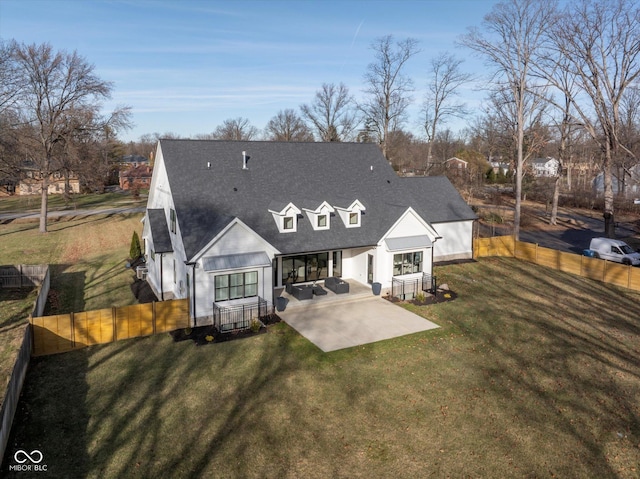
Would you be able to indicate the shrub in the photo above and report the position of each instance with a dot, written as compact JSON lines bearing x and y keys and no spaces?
{"x":135,"y":252}
{"x":255,"y":325}
{"x":493,"y":217}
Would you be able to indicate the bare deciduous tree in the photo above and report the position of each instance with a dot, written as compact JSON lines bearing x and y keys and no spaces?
{"x":514,"y":36}
{"x":332,"y":113}
{"x":599,"y":42}
{"x":287,"y":126}
{"x":239,"y":129}
{"x":445,"y":79}
{"x":56,"y":85}
{"x":9,"y":79}
{"x":566,"y":127}
{"x":389,"y":90}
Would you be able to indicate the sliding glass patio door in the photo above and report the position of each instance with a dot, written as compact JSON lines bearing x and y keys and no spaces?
{"x":305,"y":268}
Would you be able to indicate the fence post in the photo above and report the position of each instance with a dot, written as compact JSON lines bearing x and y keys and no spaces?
{"x":72,"y":321}
{"x":153,"y":316}
{"x":113,"y":323}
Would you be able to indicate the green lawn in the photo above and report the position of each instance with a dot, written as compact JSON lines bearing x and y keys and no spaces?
{"x":534,"y":373}
{"x":31,"y":203}
{"x":87,"y":258}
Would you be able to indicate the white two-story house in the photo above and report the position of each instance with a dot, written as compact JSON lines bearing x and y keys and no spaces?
{"x":229,"y":221}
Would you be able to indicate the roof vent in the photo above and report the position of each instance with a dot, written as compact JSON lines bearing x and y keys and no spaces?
{"x":244,"y":160}
{"x":208,"y":165}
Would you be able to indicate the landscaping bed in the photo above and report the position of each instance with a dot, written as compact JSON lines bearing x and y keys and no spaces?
{"x":426,"y":299}
{"x":209,"y":334}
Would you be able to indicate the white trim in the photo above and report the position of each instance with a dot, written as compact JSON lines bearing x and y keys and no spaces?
{"x":345,"y":213}
{"x":289,"y":211}
{"x":235,"y":221}
{"x":325,"y":209}
{"x":430,"y":229}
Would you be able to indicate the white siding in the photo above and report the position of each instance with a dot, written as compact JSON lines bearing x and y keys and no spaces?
{"x":238,"y":238}
{"x":409,"y":225}
{"x":354,"y":264}
{"x":456,"y":241}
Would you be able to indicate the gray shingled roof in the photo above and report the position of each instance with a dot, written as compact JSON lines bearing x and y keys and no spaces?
{"x":159,"y":230}
{"x":207,"y":199}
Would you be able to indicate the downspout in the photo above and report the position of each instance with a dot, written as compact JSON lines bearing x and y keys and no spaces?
{"x":193,"y":295}
{"x":195,"y":323}
{"x":161,"y":279}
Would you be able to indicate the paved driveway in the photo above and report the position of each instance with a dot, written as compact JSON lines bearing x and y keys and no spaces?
{"x":345,"y":324}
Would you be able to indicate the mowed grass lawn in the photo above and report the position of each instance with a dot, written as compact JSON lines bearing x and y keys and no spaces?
{"x":87,"y":258}
{"x":533,"y":373}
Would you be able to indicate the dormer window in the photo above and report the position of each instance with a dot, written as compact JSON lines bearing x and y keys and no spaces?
{"x":351,"y":214}
{"x":319,"y":214}
{"x":285,"y":216}
{"x":288,"y":222}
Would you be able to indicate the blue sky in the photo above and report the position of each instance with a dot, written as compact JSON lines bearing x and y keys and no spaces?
{"x":186,"y":66}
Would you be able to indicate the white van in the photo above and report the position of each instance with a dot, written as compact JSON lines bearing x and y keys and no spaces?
{"x":614,"y":250}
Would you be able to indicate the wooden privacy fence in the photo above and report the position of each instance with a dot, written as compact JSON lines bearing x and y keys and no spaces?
{"x":65,"y":332}
{"x":592,"y":268}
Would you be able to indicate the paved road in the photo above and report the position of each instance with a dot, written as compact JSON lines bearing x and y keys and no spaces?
{"x":78,"y":212}
{"x":574,"y":239}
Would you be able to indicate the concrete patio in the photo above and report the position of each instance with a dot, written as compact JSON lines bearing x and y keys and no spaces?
{"x":335,"y":322}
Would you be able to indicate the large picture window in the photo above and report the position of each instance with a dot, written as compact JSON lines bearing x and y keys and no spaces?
{"x":236,"y":286}
{"x":407,"y":263}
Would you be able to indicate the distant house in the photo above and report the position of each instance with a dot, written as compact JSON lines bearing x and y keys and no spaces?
{"x":499,"y":168}
{"x":231,"y":221}
{"x":132,"y":161}
{"x":135,"y":177}
{"x":8,"y":185}
{"x":456,"y":166}
{"x":30,"y":182}
{"x":545,"y":167}
{"x":630,"y":187}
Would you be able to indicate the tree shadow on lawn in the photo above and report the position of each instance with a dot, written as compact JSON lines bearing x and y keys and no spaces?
{"x":128,"y":408}
{"x":566,"y":366}
{"x":543,"y":388}
{"x":52,"y":418}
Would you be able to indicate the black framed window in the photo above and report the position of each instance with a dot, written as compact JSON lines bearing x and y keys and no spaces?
{"x":288,"y":223}
{"x":337,"y":263}
{"x":304,"y":268}
{"x":407,"y":263}
{"x":322,"y":221}
{"x":353,"y":218}
{"x":236,"y":286}
{"x":172,"y":220}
